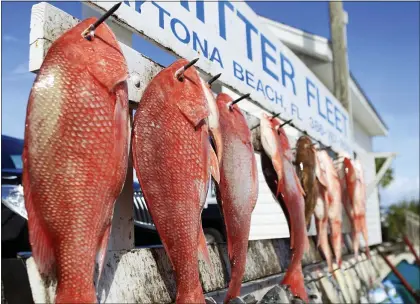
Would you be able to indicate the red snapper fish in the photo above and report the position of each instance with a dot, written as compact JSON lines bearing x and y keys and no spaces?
{"x":238,"y":188}
{"x":321,"y":213}
{"x":357,"y":194}
{"x":289,"y":191}
{"x":334,"y":202}
{"x":347,"y":203}
{"x":173,"y":159}
{"x":75,"y":156}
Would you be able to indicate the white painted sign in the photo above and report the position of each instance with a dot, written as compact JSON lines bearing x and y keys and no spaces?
{"x":229,"y":39}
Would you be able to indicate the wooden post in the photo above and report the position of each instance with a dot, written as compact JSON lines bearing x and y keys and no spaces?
{"x":338,"y":21}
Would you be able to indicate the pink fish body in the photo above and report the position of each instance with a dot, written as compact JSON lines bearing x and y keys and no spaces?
{"x":357,"y":194}
{"x":173,"y":159}
{"x":334,"y":202}
{"x":75,"y":156}
{"x":321,"y":214}
{"x":289,"y":190}
{"x":238,"y":187}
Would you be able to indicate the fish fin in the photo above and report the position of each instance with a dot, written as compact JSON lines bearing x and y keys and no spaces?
{"x":294,"y":278}
{"x":41,"y":244}
{"x":193,"y":111}
{"x":203,"y":249}
{"x":214,"y":166}
{"x":102,"y":249}
{"x":109,"y":66}
{"x":278,"y":167}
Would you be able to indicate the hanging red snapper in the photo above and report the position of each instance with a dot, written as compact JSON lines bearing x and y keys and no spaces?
{"x":334,"y":202}
{"x":289,"y":190}
{"x":356,"y":190}
{"x":238,"y":189}
{"x":321,"y":213}
{"x":75,"y":156}
{"x":173,"y":158}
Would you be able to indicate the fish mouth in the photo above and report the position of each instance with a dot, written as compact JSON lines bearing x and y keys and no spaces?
{"x":216,"y":136}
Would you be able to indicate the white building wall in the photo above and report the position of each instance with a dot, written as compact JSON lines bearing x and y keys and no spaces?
{"x":363,"y":140}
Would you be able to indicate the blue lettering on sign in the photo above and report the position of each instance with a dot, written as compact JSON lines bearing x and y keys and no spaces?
{"x":204,"y":49}
{"x":295,"y":109}
{"x":215,"y":56}
{"x":309,"y":94}
{"x":199,"y":8}
{"x":334,"y":120}
{"x":137,"y":4}
{"x":265,"y":55}
{"x":268,"y":95}
{"x":185,"y":4}
{"x":222,"y":17}
{"x":237,"y":68}
{"x":284,"y":60}
{"x":249,"y":78}
{"x":329,"y":110}
{"x":260,"y":87}
{"x":162,"y":13}
{"x":187,"y":37}
{"x":249,"y":27}
{"x":279,"y":99}
{"x":337,"y":114}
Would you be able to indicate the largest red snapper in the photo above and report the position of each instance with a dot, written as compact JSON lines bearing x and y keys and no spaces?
{"x":173,"y":157}
{"x":238,"y":187}
{"x":289,"y":190}
{"x":75,"y":156}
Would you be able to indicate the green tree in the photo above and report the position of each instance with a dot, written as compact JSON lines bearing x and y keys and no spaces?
{"x":395,"y":218}
{"x":389,"y":173}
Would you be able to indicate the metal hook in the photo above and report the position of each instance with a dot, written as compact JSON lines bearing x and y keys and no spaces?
{"x":237,"y":100}
{"x":213,"y":79}
{"x":285,"y":123}
{"x":90,"y":31}
{"x":180,"y":73}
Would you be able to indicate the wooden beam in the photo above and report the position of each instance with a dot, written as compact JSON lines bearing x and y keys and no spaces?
{"x":338,"y":21}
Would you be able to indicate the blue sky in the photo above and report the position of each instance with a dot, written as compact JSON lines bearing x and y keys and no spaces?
{"x":383,"y":45}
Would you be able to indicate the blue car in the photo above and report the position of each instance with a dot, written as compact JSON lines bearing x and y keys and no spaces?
{"x":14,"y":232}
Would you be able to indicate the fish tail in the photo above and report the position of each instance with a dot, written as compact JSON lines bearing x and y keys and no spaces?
{"x":71,"y":296}
{"x":294,"y":278}
{"x":323,"y":242}
{"x":365,"y":235}
{"x":195,"y":296}
{"x":237,"y":257}
{"x":203,"y":249}
{"x":336,"y":240}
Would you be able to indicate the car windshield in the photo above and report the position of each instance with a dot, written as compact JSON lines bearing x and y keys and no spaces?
{"x":11,"y":152}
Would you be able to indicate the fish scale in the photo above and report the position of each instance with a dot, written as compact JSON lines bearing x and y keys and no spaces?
{"x":289,"y":193}
{"x":238,"y":188}
{"x":334,"y":202}
{"x":173,"y":165}
{"x":73,"y":170}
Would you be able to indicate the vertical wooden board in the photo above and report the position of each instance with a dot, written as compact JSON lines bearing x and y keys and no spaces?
{"x":350,"y":283}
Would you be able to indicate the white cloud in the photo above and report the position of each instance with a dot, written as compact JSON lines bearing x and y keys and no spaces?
{"x":401,"y":188}
{"x":21,"y":68}
{"x":9,"y":38}
{"x":18,"y":73}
